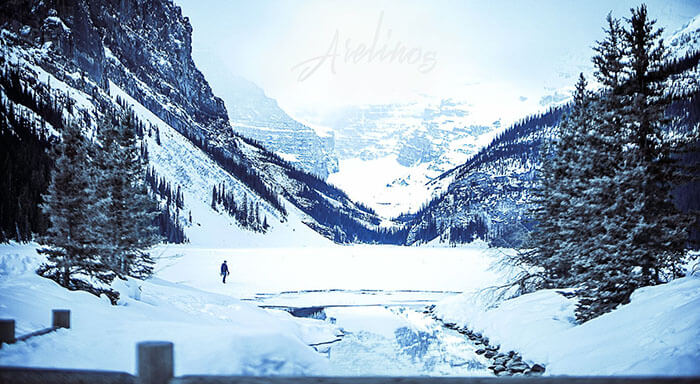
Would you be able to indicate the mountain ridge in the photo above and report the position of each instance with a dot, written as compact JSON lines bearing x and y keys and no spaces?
{"x":145,"y":50}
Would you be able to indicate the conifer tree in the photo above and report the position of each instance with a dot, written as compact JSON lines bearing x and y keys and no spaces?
{"x":600,"y":265}
{"x":128,"y":229}
{"x":640,"y":234}
{"x":659,"y":234}
{"x":605,"y":220}
{"x":560,"y":209}
{"x":73,"y":206}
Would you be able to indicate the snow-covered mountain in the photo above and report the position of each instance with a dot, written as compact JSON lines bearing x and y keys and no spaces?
{"x":686,"y":39}
{"x":85,"y":56}
{"x":405,"y":145}
{"x":487,"y":196}
{"x":258,"y":117}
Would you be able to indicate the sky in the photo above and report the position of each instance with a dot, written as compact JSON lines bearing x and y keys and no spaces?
{"x":316,"y":55}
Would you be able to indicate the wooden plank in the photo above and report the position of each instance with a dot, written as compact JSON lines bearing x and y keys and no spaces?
{"x":12,"y":375}
{"x":36,"y":333}
{"x":21,"y":375}
{"x":432,"y":380}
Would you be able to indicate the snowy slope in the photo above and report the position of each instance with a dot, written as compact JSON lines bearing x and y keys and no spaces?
{"x":179,"y":160}
{"x":212,"y":333}
{"x":657,"y":333}
{"x":183,"y":164}
{"x":686,"y":39}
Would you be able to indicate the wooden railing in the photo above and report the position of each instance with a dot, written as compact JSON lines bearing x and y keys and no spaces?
{"x":60,"y":319}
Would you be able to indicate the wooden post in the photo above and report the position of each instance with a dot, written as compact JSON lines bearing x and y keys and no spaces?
{"x":7,"y":331}
{"x":61,"y":318}
{"x":154,"y":361}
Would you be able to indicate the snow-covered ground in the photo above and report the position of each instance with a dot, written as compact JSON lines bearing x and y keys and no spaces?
{"x":364,"y":306}
{"x":212,"y":333}
{"x":657,"y":333}
{"x":180,"y":161}
{"x":218,"y":329}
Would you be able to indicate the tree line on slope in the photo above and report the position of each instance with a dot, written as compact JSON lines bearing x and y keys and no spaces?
{"x":241,"y":171}
{"x":26,"y":163}
{"x":247,"y":215}
{"x":168,"y":220}
{"x":25,"y":169}
{"x":605,"y":219}
{"x":347,"y":223}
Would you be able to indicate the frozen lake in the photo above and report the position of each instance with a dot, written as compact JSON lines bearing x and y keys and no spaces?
{"x":383,"y":332}
{"x":374,"y":294}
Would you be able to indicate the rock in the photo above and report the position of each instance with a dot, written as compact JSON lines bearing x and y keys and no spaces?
{"x":492,"y":348}
{"x":517,"y":362}
{"x":537,"y":368}
{"x":485,"y":340}
{"x":501,"y":360}
{"x":480,"y":351}
{"x":517,"y":367}
{"x":489,"y":354}
{"x":504,"y":373}
{"x":498,"y":368}
{"x":500,"y":355}
{"x":511,"y":353}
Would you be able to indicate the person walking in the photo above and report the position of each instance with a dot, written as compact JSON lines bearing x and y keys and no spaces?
{"x":224,"y":271}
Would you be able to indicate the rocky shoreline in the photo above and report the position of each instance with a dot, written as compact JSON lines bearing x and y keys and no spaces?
{"x":502,"y":363}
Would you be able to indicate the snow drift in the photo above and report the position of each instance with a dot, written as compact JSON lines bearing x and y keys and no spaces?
{"x":657,"y":333}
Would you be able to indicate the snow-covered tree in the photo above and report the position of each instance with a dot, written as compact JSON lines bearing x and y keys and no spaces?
{"x":128,"y":229}
{"x":660,"y":231}
{"x":645,"y":235}
{"x":605,"y":219}
{"x":75,"y":212}
{"x":601,"y":270}
{"x":560,"y":211}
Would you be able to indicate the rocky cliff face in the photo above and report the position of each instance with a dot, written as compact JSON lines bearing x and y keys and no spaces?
{"x":152,"y":41}
{"x":141,"y":46}
{"x":257,"y":116}
{"x":686,"y":39}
